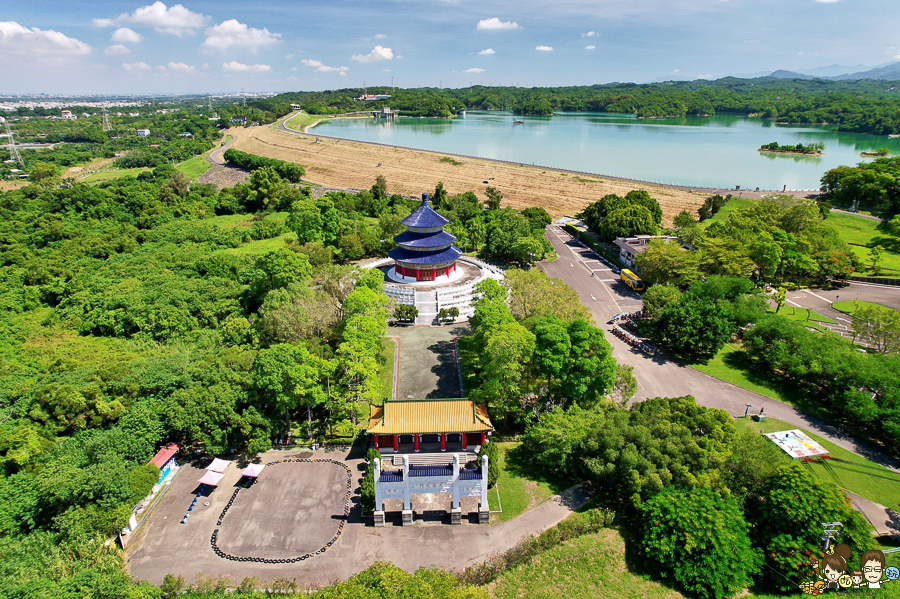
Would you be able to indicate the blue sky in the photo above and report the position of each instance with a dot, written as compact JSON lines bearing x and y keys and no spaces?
{"x":115,"y":46}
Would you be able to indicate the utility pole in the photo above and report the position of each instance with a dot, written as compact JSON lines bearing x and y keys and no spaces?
{"x":13,"y":150}
{"x":365,"y":90}
{"x":209,"y":100}
{"x":392,"y":85}
{"x":243,"y":98}
{"x":105,"y":117}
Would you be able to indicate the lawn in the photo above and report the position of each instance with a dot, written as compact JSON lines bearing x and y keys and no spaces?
{"x":113,"y":174}
{"x":863,"y":234}
{"x":262,"y":246}
{"x":593,"y":565}
{"x":386,"y":369}
{"x":194,"y":167}
{"x":805,"y":316}
{"x":469,"y":363}
{"x":732,"y":205}
{"x":731,"y":366}
{"x":845,"y":469}
{"x":849,"y":307}
{"x":520,"y":487}
{"x":302,"y":120}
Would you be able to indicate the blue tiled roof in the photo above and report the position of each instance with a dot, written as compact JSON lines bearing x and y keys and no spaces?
{"x":424,"y":216}
{"x":401,"y":254}
{"x":469,"y":474}
{"x":431,"y":470}
{"x":425,"y":240}
{"x":391,"y":476}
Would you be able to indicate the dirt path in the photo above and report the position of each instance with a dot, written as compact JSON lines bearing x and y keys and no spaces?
{"x":355,"y":165}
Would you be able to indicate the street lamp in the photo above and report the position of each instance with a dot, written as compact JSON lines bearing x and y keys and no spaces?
{"x":747,"y":411}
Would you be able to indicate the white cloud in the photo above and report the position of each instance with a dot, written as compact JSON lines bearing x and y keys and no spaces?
{"x":590,"y":34}
{"x":494,"y":23}
{"x":897,"y":57}
{"x":116,"y":49}
{"x":234,"y":33}
{"x":237,"y":66}
{"x":677,"y":71}
{"x":474,"y":70}
{"x":487,"y":51}
{"x":590,"y":47}
{"x":377,"y":53}
{"x":828,"y":1}
{"x":126,"y":35}
{"x":317,"y":64}
{"x":136,"y":66}
{"x":179,"y":67}
{"x":288,"y":56}
{"x":380,"y":36}
{"x":751,"y":41}
{"x":544,"y":48}
{"x":18,"y":40}
{"x":176,"y":20}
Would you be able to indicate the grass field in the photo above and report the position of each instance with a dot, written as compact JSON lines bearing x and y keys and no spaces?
{"x":732,"y":205}
{"x":806,"y":317}
{"x":301,"y":120}
{"x":386,"y":369}
{"x":849,"y":307}
{"x":112,"y":174}
{"x":263,"y":245}
{"x":590,"y":566}
{"x":194,"y":167}
{"x":847,"y":470}
{"x":520,"y":487}
{"x":863,"y":234}
{"x":731,"y":366}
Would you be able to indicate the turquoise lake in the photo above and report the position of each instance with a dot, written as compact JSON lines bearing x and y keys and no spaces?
{"x":719,"y":151}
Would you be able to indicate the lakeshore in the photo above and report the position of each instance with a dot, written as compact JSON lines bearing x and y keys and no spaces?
{"x":343,"y":163}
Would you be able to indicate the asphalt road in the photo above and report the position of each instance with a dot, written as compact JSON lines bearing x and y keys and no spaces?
{"x":216,"y":156}
{"x":657,"y":376}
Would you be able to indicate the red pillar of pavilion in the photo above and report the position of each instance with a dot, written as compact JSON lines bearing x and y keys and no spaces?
{"x":417,"y":442}
{"x":376,"y":441}
{"x":395,"y":442}
{"x":483,"y":438}
{"x":443,"y":441}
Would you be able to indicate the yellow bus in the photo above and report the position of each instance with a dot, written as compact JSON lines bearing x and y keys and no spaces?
{"x":632,"y":280}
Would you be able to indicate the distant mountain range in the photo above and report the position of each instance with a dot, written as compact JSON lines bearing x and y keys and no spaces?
{"x":887,"y":72}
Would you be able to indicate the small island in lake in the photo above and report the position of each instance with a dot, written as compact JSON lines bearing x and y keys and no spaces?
{"x":813,"y":149}
{"x":876,"y":153}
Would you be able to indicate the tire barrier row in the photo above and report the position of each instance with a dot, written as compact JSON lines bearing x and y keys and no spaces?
{"x":290,"y":560}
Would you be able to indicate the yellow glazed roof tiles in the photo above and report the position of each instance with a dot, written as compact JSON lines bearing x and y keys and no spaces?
{"x":428,"y":416}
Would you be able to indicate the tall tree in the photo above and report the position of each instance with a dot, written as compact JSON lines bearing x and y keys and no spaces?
{"x":286,"y":377}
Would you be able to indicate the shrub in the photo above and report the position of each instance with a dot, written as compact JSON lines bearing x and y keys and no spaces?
{"x":490,"y":449}
{"x":698,"y":540}
{"x":367,"y":488}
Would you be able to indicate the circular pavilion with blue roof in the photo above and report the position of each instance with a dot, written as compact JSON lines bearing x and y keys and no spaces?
{"x":424,"y":252}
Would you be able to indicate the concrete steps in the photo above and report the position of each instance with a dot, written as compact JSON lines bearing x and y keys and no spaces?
{"x":432,"y":459}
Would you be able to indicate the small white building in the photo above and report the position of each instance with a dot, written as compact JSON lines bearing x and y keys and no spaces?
{"x":143,"y":132}
{"x":67,"y":115}
{"x":630,"y":247}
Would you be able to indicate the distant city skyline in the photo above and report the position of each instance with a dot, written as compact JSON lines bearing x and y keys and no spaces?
{"x":116,"y":46}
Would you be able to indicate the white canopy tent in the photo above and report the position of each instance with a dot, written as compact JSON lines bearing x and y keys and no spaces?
{"x":253,"y":470}
{"x":211,"y":478}
{"x":218,"y":465}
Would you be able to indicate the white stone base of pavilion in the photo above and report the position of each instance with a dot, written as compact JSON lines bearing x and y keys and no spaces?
{"x":395,"y":276}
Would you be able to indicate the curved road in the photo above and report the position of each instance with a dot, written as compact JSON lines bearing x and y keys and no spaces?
{"x":216,"y":155}
{"x":605,"y":295}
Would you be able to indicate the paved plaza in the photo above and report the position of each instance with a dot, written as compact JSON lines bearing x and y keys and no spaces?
{"x":427,"y":365}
